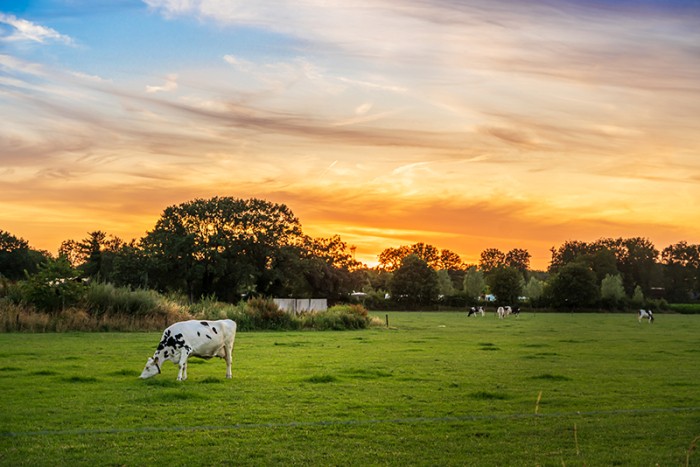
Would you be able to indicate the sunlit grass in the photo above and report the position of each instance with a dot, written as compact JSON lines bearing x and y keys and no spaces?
{"x":434,"y":389}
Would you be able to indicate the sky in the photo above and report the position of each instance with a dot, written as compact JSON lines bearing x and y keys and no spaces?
{"x":464,"y":124}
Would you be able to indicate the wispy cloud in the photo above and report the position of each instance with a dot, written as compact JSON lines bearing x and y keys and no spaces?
{"x":23,"y":30}
{"x":473,"y":123}
{"x":169,"y":85}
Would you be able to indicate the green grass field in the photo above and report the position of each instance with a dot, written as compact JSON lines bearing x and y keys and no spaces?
{"x":433,"y":389}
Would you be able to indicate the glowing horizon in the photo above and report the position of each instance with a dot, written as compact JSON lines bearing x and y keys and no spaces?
{"x":465,"y":125}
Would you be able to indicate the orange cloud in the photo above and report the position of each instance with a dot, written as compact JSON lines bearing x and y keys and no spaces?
{"x":466,"y":125}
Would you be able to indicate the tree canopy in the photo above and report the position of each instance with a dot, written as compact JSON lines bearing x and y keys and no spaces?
{"x":16,"y":257}
{"x":492,"y":258}
{"x":506,"y":284}
{"x":574,"y":286}
{"x":390,"y":259}
{"x":414,"y":282}
{"x":225,"y":246}
{"x":232,"y":248}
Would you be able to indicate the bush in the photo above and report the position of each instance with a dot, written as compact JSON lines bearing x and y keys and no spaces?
{"x":337,"y":318}
{"x":55,"y":287}
{"x":12,"y":291}
{"x":210,"y":308}
{"x":659,"y":304}
{"x":102,"y":298}
{"x":685,"y":308}
{"x":376,"y":300}
{"x":263,"y":313}
{"x":458,"y":300}
{"x":351,"y":309}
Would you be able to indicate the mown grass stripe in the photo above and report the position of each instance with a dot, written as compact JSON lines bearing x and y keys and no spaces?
{"x":321,"y":423}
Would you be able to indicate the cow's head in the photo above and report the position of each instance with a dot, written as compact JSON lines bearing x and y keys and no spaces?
{"x":152,"y":368}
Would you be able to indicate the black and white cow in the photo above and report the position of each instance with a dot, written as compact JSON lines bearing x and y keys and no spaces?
{"x":645,"y":314}
{"x":502,"y":312}
{"x":505,"y":311}
{"x":473,"y":311}
{"x":204,"y":339}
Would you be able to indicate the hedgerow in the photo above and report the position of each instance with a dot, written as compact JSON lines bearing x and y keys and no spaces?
{"x":104,"y":307}
{"x":685,"y":308}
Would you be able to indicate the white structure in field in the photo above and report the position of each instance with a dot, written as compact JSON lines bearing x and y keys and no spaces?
{"x":301,"y":305}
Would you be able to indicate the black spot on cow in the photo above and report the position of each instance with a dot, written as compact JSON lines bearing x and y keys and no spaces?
{"x":176,"y":342}
{"x":165,"y":354}
{"x":208,"y":336}
{"x":164,"y":341}
{"x":204,"y":323}
{"x":214,"y":329}
{"x":198,"y":334}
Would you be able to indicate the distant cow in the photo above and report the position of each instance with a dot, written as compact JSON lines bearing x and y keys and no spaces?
{"x":645,"y":314}
{"x":473,"y":311}
{"x":204,"y":339}
{"x":503,"y":311}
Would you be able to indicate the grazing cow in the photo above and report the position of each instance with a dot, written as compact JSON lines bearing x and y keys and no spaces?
{"x":504,"y":311}
{"x":516,"y":310}
{"x":204,"y":339}
{"x":473,"y":311}
{"x":645,"y":314}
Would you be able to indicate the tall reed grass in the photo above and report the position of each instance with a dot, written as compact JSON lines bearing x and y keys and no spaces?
{"x":107,"y":299}
{"x":18,"y":318}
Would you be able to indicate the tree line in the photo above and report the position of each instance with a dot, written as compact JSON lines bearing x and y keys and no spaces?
{"x":231,"y":249}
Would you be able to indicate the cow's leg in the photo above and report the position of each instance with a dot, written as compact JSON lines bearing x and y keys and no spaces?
{"x":182,"y":374}
{"x":229,"y":357}
{"x":228,"y":363}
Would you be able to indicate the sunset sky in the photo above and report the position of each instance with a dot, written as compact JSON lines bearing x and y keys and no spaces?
{"x":467,"y":124}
